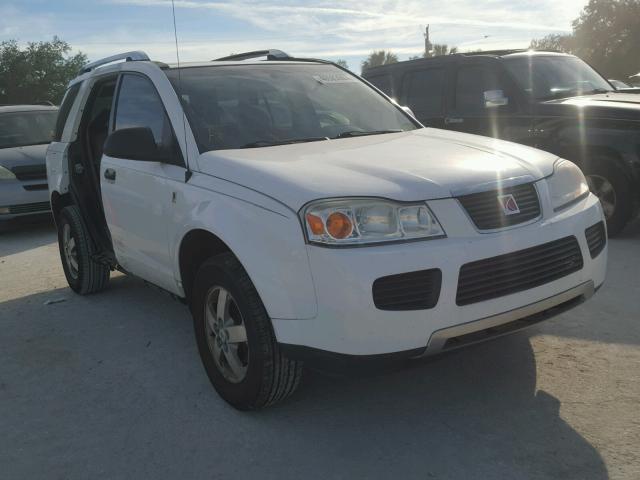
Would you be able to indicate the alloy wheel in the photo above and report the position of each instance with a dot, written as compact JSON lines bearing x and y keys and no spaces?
{"x":226,"y":334}
{"x":70,"y":250}
{"x":604,"y":190}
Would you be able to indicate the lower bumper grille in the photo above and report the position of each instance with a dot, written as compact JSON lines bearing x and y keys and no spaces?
{"x":408,"y":291}
{"x":596,"y":238}
{"x":30,"y":172}
{"x":514,"y":272}
{"x":29,"y":208}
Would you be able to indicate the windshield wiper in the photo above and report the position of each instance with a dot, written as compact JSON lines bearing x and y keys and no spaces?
{"x":360,"y":133}
{"x":573,"y":93}
{"x":270,"y":143}
{"x":597,"y":90}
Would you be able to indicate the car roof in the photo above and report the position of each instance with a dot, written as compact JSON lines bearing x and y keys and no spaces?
{"x":273,"y":56}
{"x":240,"y":62}
{"x":456,"y":56}
{"x":26,"y":108}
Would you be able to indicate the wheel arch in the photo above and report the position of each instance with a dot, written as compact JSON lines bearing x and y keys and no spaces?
{"x":583,"y":155}
{"x":276,"y":262}
{"x":58,"y":202}
{"x":196,"y":247}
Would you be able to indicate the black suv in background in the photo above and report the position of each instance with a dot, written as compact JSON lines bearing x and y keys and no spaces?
{"x":552,"y":101}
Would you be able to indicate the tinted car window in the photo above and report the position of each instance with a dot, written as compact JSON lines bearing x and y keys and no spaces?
{"x":248,"y":106}
{"x":139,"y":105}
{"x":383,"y":82}
{"x":18,"y":129}
{"x":65,"y":109}
{"x":424,"y":91}
{"x":471,"y":83}
{"x":547,"y":77}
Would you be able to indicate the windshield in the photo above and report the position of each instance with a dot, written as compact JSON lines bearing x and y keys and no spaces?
{"x":18,"y":129}
{"x":245,"y":106}
{"x":548,"y":77}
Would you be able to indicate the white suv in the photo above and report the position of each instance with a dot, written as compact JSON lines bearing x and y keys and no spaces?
{"x":302,"y":214}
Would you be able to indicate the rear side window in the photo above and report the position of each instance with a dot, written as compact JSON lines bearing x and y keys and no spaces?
{"x":471,"y":84}
{"x":139,"y":105}
{"x":424,"y":91}
{"x":65,"y":109}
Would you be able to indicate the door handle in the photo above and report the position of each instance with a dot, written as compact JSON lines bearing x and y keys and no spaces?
{"x":110,"y":174}
{"x":451,"y":120}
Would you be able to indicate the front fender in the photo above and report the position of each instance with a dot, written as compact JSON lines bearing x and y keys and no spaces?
{"x":265,"y":236}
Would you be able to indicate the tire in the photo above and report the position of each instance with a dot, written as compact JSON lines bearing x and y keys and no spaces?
{"x":84,"y":275}
{"x":263,"y":375}
{"x":607,"y":181}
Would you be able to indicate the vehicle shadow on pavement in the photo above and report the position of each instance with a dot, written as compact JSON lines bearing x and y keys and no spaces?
{"x":473,"y":413}
{"x":111,"y":386}
{"x":18,"y":238}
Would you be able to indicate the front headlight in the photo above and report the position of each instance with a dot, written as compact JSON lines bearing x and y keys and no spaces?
{"x":368,"y":220}
{"x":567,"y":184}
{"x":6,"y":174}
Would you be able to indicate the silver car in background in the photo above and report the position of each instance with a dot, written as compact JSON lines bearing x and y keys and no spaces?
{"x":25,"y":133}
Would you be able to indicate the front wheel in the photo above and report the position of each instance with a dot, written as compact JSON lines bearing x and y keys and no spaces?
{"x":612,"y":187}
{"x":84,"y":275}
{"x":235,"y":338}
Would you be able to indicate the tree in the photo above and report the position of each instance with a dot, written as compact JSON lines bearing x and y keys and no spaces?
{"x":437,"y":49}
{"x":39,"y":72}
{"x":606,"y":34}
{"x":442,"y":49}
{"x":379,"y":57}
{"x":554,"y":42}
{"x":342,"y":63}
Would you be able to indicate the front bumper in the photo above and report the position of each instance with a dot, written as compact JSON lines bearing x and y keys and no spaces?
{"x":20,"y":199}
{"x":349,"y":323}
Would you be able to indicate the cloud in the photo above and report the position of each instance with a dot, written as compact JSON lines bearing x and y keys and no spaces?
{"x":332,"y":28}
{"x":321,"y":28}
{"x":14,"y":24}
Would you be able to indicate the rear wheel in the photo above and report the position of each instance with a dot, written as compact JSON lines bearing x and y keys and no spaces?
{"x":84,"y":275}
{"x":235,"y":338}
{"x":612,"y":187}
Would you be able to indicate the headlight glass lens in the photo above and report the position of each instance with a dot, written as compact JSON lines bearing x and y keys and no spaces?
{"x":363,"y":221}
{"x":6,"y":174}
{"x":566,"y":185}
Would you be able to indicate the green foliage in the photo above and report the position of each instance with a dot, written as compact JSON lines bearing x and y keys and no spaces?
{"x":442,"y":49}
{"x":554,"y":42}
{"x":379,"y":57}
{"x":39,"y":72}
{"x":606,"y":34}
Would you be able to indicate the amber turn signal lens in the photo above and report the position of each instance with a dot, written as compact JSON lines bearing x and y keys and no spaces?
{"x":315,"y":224}
{"x":339,"y":225}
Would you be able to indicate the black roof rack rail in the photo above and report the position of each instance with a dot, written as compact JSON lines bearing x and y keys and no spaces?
{"x":136,"y":56}
{"x":499,"y":53}
{"x":496,"y":53}
{"x":272,"y":54}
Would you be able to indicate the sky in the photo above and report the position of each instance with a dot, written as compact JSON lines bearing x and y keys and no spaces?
{"x":330,"y":29}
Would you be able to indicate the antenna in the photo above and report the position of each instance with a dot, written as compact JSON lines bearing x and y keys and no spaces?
{"x":188,"y":173}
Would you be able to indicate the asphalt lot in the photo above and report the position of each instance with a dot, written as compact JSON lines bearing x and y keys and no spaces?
{"x":111,"y":386}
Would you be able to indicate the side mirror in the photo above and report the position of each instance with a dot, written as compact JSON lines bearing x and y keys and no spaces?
{"x":408,"y":111}
{"x":133,"y":144}
{"x":495,"y":98}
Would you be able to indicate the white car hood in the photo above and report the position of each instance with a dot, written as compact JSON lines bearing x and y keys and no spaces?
{"x":422,"y":164}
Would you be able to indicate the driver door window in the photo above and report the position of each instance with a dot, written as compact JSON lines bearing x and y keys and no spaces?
{"x":140,"y":106}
